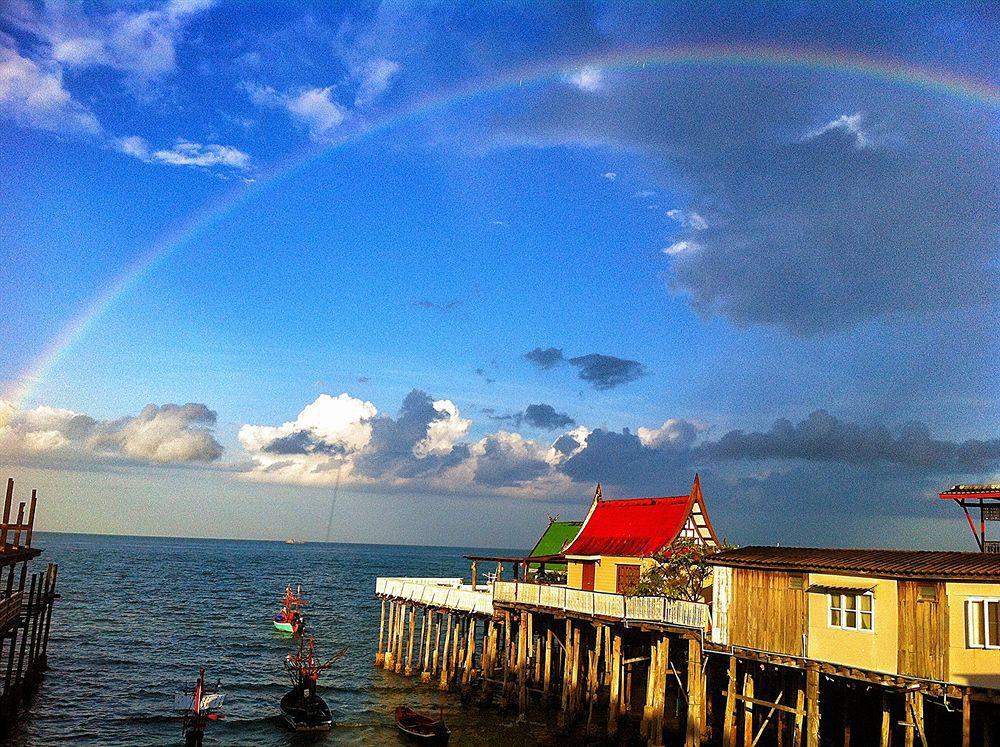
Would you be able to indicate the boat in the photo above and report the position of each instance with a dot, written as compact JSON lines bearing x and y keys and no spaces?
{"x":289,"y":618}
{"x":420,"y":726}
{"x":200,"y":705}
{"x":302,"y":708}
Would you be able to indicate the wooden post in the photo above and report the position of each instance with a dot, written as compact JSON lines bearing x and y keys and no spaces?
{"x":390,"y":636}
{"x":24,"y":632}
{"x":400,"y":640}
{"x":748,"y":708}
{"x":379,"y":653}
{"x":437,"y":643}
{"x":565,"y":705}
{"x":645,"y":726}
{"x":522,"y":663}
{"x":887,"y":722}
{"x":966,"y":719}
{"x":547,"y":668}
{"x":6,"y":512}
{"x":812,"y":706}
{"x":474,"y":574}
{"x":696,"y":694}
{"x":848,"y":712}
{"x":409,"y":647}
{"x":615,"y":699}
{"x":31,"y":518}
{"x":443,"y":682}
{"x":800,"y":707}
{"x":470,"y":655}
{"x":915,"y":703}
{"x":729,"y":724}
{"x":659,"y":707}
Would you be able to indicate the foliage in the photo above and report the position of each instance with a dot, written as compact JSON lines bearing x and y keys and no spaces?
{"x":679,"y":571}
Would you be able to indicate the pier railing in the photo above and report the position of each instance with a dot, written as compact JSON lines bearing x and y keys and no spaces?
{"x":603,"y":604}
{"x":444,"y":593}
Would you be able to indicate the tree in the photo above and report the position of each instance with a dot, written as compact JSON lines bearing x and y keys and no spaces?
{"x":679,"y":571}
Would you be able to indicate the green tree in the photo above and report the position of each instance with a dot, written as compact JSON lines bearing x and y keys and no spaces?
{"x":679,"y":571}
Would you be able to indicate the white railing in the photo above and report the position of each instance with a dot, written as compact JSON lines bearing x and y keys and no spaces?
{"x":446,"y":593}
{"x":617,"y":606}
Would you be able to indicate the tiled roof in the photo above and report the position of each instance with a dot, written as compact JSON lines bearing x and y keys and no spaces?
{"x":972,"y":491}
{"x":637,"y":527}
{"x":914,"y":564}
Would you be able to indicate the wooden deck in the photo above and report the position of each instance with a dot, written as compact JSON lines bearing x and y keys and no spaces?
{"x":440,"y":593}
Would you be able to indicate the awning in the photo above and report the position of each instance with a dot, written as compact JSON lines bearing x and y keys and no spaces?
{"x":823,"y":589}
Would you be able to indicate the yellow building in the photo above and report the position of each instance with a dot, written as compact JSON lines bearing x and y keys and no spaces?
{"x":923,"y":614}
{"x":619,"y":538}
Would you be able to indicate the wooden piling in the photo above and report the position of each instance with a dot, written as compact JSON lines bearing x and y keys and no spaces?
{"x":748,"y":690}
{"x":445,"y":678}
{"x":380,"y":652}
{"x":729,"y":724}
{"x":408,"y":671}
{"x":615,"y":698}
{"x":391,"y":636}
{"x":696,"y":695}
{"x":812,"y":706}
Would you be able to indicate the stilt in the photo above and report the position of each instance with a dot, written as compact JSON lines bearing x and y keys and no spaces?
{"x":748,"y":709}
{"x":470,"y":656}
{"x":445,"y":678}
{"x":391,"y":639}
{"x":729,"y":724}
{"x":380,"y":652}
{"x":547,"y":667}
{"x":812,"y":706}
{"x":800,"y":706}
{"x":408,"y":671}
{"x":615,"y":699}
{"x":400,"y":640}
{"x":887,"y":721}
{"x":696,"y":694}
{"x":966,"y":719}
{"x":522,"y":663}
{"x":437,"y":643}
{"x":425,"y":667}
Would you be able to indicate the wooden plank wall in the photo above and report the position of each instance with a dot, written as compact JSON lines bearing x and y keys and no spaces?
{"x":766,"y":613}
{"x":923,"y":631}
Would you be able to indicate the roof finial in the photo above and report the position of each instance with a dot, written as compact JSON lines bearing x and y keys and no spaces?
{"x":696,"y":487}
{"x":597,"y":496}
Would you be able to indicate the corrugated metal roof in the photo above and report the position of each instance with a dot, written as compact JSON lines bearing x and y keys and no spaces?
{"x":929,"y":564}
{"x":636,"y":527}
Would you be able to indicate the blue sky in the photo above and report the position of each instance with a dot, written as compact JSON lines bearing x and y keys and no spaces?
{"x":468,"y":309}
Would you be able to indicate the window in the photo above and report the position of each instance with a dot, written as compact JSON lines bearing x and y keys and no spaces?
{"x":927,"y":593}
{"x":852,"y":611}
{"x":796,"y":581}
{"x":982,"y":623}
{"x":627,"y":578}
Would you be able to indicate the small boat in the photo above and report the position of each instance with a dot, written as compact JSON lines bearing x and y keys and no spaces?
{"x":200,"y":705}
{"x":302,"y":708}
{"x":420,"y":726}
{"x":289,"y":618}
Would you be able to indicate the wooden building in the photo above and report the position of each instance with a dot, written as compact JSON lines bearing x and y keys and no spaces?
{"x":25,"y":609}
{"x":619,"y":538}
{"x":919,"y":622}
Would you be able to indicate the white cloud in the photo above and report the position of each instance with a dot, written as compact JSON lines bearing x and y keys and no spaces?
{"x":849,"y":123}
{"x":374,"y":78}
{"x":33,"y":95}
{"x":316,"y":108}
{"x":133,"y":145}
{"x":610,"y":175}
{"x":688,"y":219}
{"x":588,"y":79}
{"x":159,"y":434}
{"x":673,"y":432}
{"x":681,"y":247}
{"x":443,"y":434}
{"x":142,"y":43}
{"x":187,"y":153}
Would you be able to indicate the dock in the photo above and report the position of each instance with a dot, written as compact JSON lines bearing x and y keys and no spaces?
{"x":26,"y":603}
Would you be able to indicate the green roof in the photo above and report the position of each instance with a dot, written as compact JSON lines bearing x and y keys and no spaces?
{"x":552,"y":542}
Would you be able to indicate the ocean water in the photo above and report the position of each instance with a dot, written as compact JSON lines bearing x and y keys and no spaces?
{"x":139,"y":615}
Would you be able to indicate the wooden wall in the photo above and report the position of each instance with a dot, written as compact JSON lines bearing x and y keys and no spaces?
{"x":766,"y":613}
{"x":923,"y":630}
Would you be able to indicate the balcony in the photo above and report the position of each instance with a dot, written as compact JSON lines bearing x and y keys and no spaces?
{"x":675,"y":612}
{"x":442,"y":593}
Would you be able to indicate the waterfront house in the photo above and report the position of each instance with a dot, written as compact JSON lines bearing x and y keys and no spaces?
{"x":921,"y":614}
{"x":619,"y":538}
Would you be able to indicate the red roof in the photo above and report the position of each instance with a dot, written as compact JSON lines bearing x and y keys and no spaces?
{"x":637,"y":527}
{"x":972,"y":491}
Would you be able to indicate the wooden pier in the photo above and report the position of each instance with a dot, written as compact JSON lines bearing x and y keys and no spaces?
{"x":26,"y":603}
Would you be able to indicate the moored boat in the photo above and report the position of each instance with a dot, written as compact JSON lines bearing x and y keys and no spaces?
{"x":200,"y":706}
{"x":302,"y":708}
{"x":420,"y":726}
{"x":289,"y":618}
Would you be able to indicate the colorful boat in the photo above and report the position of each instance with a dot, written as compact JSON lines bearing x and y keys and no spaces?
{"x":301,"y":707}
{"x":289,"y":618}
{"x":200,"y":706}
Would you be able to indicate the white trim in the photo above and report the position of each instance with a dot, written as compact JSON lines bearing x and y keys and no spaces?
{"x":843,"y":610}
{"x":985,"y":602}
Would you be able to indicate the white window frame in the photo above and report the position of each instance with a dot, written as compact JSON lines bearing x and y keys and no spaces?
{"x":984,"y":601}
{"x":842,"y":609}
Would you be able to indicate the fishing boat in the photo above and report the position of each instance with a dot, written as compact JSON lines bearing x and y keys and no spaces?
{"x":289,"y":618}
{"x":301,"y":707}
{"x":420,"y":726}
{"x":200,"y":705}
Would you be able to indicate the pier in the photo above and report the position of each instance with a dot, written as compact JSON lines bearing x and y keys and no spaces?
{"x":791,"y":646}
{"x":26,"y":603}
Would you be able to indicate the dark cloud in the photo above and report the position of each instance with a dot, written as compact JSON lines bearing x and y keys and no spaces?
{"x":545,"y":417}
{"x":364,"y":380}
{"x":607,"y":371}
{"x":504,"y":464}
{"x":821,"y":205}
{"x":545,"y":358}
{"x":303,"y":442}
{"x":823,"y":438}
{"x":601,"y":371}
{"x":485,"y":376}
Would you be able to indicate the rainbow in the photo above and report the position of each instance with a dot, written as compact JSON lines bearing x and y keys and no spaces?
{"x":979,"y":92}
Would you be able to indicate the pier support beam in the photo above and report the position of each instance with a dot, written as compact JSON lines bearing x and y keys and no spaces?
{"x":696,"y":695}
{"x":812,"y":706}
{"x":380,"y":652}
{"x":391,"y":636}
{"x":408,"y":671}
{"x":615,"y":699}
{"x":444,"y":681}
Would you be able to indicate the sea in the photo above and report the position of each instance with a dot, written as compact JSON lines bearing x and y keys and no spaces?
{"x":139,"y":615}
